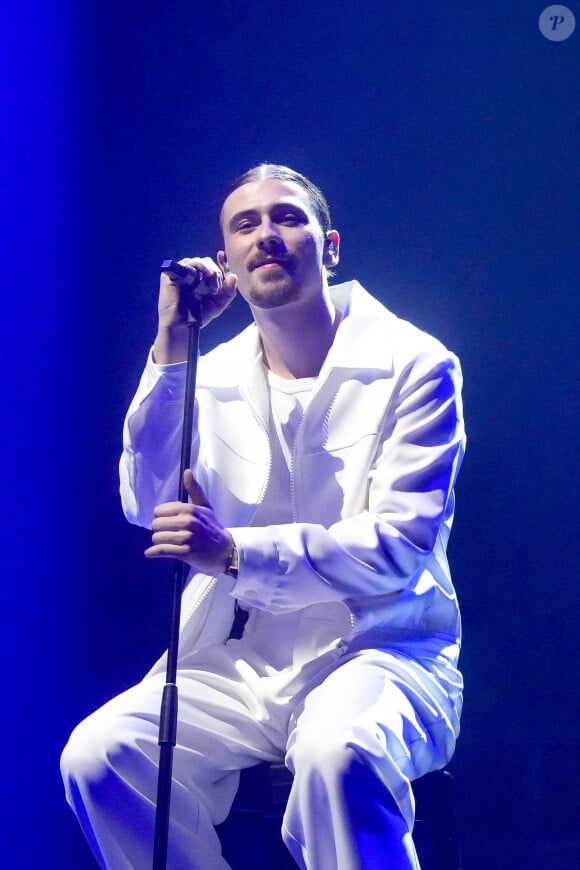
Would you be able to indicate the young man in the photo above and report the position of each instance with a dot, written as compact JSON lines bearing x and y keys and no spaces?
{"x":328,"y":439}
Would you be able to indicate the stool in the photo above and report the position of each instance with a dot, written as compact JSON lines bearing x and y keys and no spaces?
{"x":251,"y":838}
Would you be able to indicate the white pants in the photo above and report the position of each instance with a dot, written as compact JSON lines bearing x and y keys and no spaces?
{"x":354,"y":731}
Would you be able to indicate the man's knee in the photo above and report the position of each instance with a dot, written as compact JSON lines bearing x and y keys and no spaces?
{"x":82,"y":757}
{"x":97,"y":746}
{"x":354,"y":764}
{"x":332,"y":760}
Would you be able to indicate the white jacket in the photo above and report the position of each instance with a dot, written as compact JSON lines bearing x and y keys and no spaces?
{"x":375,"y":460}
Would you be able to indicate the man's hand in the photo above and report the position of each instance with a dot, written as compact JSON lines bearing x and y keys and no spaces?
{"x":191,"y":532}
{"x":216,"y":292}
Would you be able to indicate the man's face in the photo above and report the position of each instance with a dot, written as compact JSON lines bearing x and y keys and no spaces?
{"x":274,"y":243}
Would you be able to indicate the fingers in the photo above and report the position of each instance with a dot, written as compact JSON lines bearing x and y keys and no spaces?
{"x":212,"y":274}
{"x":213,"y":277}
{"x":176,"y":529}
{"x":190,"y":531}
{"x":194,"y":490}
{"x":230,"y":286}
{"x":216,"y":292}
{"x":168,"y":550}
{"x":181,"y":512}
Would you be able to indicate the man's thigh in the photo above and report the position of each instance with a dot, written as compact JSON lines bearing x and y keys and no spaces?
{"x":389,"y":708}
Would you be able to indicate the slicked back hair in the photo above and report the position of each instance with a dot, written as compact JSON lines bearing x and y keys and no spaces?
{"x":274,"y":170}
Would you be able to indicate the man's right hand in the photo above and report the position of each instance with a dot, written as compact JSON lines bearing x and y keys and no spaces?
{"x":216,"y":292}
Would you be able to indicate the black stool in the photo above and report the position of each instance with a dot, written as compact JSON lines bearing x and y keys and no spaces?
{"x":251,"y":838}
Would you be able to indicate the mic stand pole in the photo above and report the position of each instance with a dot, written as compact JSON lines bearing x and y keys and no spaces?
{"x":168,"y":715}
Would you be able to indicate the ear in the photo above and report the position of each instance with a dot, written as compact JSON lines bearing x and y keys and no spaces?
{"x":331,"y":249}
{"x":223,"y":262}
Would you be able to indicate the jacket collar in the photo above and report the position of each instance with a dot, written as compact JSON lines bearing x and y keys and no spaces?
{"x":364,"y":336}
{"x":363,"y":340}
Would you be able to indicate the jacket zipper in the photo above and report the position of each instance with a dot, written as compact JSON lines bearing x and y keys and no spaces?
{"x":196,"y":604}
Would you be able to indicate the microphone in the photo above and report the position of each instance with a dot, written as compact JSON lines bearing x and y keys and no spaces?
{"x":189,"y":276}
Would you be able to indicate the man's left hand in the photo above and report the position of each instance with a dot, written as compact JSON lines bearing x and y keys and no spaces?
{"x":190,"y":531}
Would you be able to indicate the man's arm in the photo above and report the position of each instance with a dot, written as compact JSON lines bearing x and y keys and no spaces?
{"x":159,"y":397}
{"x":384,"y":548}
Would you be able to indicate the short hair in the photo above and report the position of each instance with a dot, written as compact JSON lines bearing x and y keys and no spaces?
{"x":274,"y":170}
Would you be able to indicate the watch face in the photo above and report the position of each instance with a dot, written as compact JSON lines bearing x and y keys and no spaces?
{"x":233,"y":563}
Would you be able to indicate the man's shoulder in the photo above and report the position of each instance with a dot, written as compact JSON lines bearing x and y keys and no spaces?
{"x":378,"y":325}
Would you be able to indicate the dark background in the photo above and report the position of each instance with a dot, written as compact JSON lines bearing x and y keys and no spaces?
{"x":446,"y":137}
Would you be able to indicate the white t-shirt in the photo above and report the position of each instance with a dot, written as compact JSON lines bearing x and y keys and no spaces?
{"x":288,"y":402}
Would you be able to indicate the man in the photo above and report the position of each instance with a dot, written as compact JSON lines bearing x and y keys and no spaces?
{"x":328,"y":439}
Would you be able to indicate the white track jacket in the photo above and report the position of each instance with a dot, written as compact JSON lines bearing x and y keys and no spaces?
{"x":374,"y":464}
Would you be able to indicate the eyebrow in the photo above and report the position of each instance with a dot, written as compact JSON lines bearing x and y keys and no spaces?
{"x":239,"y":215}
{"x":252,"y":212}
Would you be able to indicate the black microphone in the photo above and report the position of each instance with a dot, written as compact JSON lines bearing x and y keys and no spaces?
{"x":189,"y":276}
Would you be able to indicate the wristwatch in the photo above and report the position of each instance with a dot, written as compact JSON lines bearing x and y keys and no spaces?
{"x":233,"y":563}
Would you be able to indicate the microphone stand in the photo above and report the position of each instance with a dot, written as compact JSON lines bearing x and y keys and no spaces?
{"x":169,"y":701}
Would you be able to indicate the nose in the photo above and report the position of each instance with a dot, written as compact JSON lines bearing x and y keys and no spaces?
{"x":269,"y":239}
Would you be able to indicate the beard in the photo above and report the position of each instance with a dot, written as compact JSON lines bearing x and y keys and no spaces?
{"x":273,"y":291}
